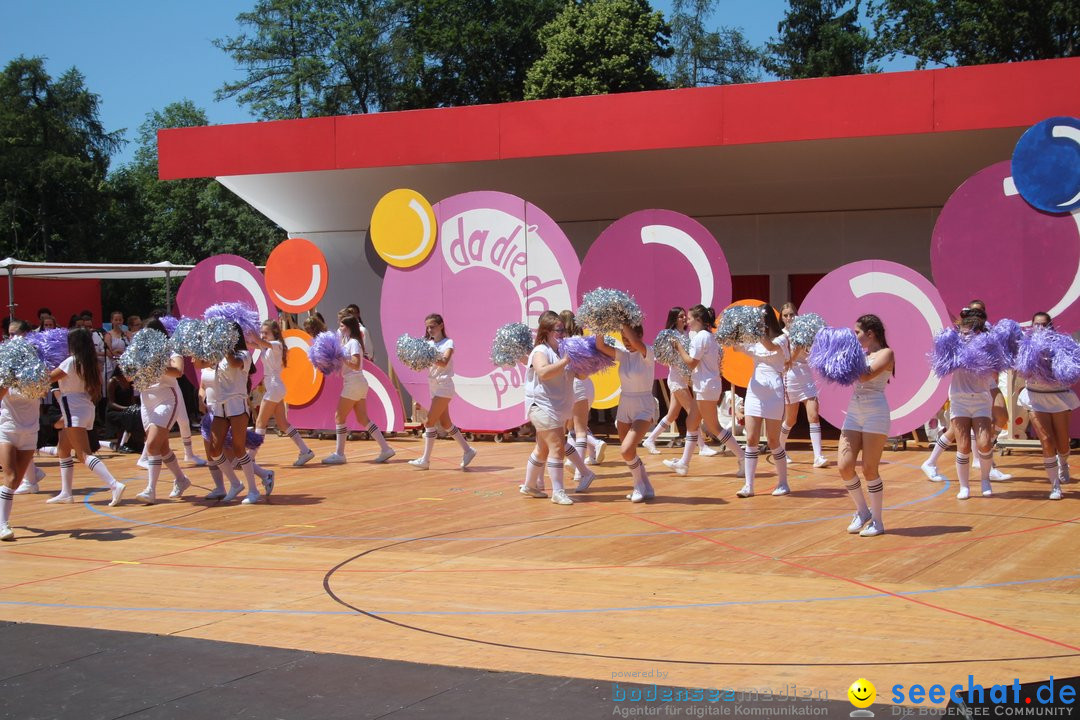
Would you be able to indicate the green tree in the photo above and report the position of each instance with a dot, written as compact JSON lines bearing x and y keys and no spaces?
{"x":53,"y":161}
{"x":974,"y":32}
{"x":595,"y":47}
{"x":819,"y":38}
{"x":708,"y":57}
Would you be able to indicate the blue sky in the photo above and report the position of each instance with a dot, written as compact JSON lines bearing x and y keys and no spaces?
{"x":141,"y":55}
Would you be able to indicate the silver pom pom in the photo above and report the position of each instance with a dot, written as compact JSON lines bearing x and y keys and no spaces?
{"x":606,"y":311}
{"x":666,"y":354}
{"x":416,"y":353}
{"x":185,"y":338}
{"x":741,"y":324}
{"x":146,"y":358}
{"x":804,"y":328}
{"x":22,"y":369}
{"x":217,"y":339}
{"x":512,"y":344}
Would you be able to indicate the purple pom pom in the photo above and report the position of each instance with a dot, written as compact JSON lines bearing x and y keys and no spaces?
{"x":1009,"y":334}
{"x":170,"y":322}
{"x":985,"y":353}
{"x":204,"y":426}
{"x":585,"y":359}
{"x":52,"y":346}
{"x":945,"y":357}
{"x":252,"y":440}
{"x":326,"y":353}
{"x":837,"y":356}
{"x":239,"y":313}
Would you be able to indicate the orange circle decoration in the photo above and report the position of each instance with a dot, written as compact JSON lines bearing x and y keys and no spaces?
{"x":403,"y":228}
{"x":738,"y":368}
{"x":296,"y":275}
{"x":302,"y":381}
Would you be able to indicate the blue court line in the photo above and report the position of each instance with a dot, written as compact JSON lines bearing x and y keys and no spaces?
{"x":442,"y":538}
{"x":557,"y":611}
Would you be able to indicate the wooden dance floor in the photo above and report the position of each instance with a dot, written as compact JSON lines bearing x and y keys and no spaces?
{"x":695,"y":589}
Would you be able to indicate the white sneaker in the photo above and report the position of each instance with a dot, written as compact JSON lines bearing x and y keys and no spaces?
{"x":420,"y":464}
{"x":932,"y":473}
{"x":1055,"y":494}
{"x":268,"y":484}
{"x":782,"y":490}
{"x":873,"y":529}
{"x":706,"y":451}
{"x":5,"y":532}
{"x":964,"y":494}
{"x":678,"y":466}
{"x":559,"y":497}
{"x":146,"y":497}
{"x":745,"y":492}
{"x":334,"y":459}
{"x":179,"y":487}
{"x":650,"y":446}
{"x":590,"y":460}
{"x":194,"y":460}
{"x":117,"y":493}
{"x":998,"y":476}
{"x":61,"y":498}
{"x":857,"y":522}
{"x":636,"y":497}
{"x":467,"y":457}
{"x":303,"y":458}
{"x":251,"y":499}
{"x":384,"y":455}
{"x":531,"y":492}
{"x":26,"y":488}
{"x":143,"y":462}
{"x":234,"y":490}
{"x":601,"y":448}
{"x":821,"y":461}
{"x":584,"y":481}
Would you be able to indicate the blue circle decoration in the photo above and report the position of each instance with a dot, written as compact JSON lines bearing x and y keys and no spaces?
{"x":1046,"y":165}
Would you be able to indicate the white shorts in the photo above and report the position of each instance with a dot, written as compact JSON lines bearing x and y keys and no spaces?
{"x":1048,"y":402}
{"x":441,"y":387}
{"x":275,"y":391}
{"x":868,"y":414}
{"x":763,"y":401}
{"x":709,"y":390}
{"x":20,"y":439}
{"x":229,"y":407}
{"x":77,"y":410}
{"x":584,"y":390}
{"x":636,"y":406}
{"x":971,"y":405}
{"x":543,"y":420}
{"x":160,"y":408}
{"x":676,"y":382}
{"x":801,"y":387}
{"x":355,"y":387}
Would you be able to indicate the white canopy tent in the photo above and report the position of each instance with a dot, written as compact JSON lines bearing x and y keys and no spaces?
{"x":93,"y":271}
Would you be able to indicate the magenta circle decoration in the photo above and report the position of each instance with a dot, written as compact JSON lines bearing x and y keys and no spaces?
{"x":989,"y":243}
{"x":911,"y":310}
{"x":498,"y":259}
{"x":662,"y":258}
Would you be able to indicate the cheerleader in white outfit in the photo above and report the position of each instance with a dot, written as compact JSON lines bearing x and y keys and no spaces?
{"x":354,"y":395}
{"x":703,"y":359}
{"x":208,"y":399}
{"x":589,"y":449}
{"x":1050,"y":405}
{"x":971,"y":408}
{"x":801,"y":388}
{"x":80,"y":386}
{"x":230,"y":411}
{"x":441,"y":386}
{"x":275,"y":358}
{"x":765,"y":403}
{"x":637,"y":408}
{"x":18,"y":440}
{"x":549,"y":403}
{"x":32,"y":475}
{"x":866,"y":427}
{"x":159,"y":407}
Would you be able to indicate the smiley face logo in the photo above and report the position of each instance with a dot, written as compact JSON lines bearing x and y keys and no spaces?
{"x":862,"y":693}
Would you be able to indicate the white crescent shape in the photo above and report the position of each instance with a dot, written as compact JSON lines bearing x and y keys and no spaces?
{"x":313,"y":288}
{"x":888,"y":284}
{"x":384,"y":397}
{"x":1069,"y":133}
{"x":417,"y":208}
{"x":291,"y":341}
{"x":1073,"y":293}
{"x":240,"y":276}
{"x":609,"y":398}
{"x":688,"y":247}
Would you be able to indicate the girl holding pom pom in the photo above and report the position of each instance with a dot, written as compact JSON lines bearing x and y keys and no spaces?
{"x":765,"y":402}
{"x":637,"y":408}
{"x":275,"y":359}
{"x":801,"y":388}
{"x":866,"y":427}
{"x":354,"y":395}
{"x":582,"y":448}
{"x":230,"y":410}
{"x":549,"y":403}
{"x":160,"y":406}
{"x":441,"y":385}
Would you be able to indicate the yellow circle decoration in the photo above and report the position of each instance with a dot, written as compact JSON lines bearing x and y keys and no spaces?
{"x":403,"y":228}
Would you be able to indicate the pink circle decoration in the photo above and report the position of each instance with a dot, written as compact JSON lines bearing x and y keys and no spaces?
{"x":990,"y":244}
{"x":911,"y":310}
{"x":662,"y":258}
{"x":384,"y":405}
{"x":225,"y":278}
{"x":498,"y":260}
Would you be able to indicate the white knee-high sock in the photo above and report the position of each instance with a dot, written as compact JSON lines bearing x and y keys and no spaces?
{"x":877,"y":499}
{"x":750,"y":458}
{"x":637,"y":472}
{"x":67,"y":475}
{"x":780,"y":458}
{"x":294,"y":435}
{"x":429,"y":443}
{"x":374,"y":431}
{"x":1050,"y":465}
{"x":729,"y":442}
{"x":227,"y":470}
{"x":1063,"y":467}
{"x":854,"y":488}
{"x":555,"y":472}
{"x":986,"y":461}
{"x":689,"y":447}
{"x":171,"y":463}
{"x":153,"y":472}
{"x":534,"y":472}
{"x":815,"y":438}
{"x":7,"y":496}
{"x":245,"y":463}
{"x":963,"y":469}
{"x":785,"y":431}
{"x":575,"y":458}
{"x":98,"y":468}
{"x":214,"y":466}
{"x":661,"y":427}
{"x":340,"y":433}
{"x":455,"y":433}
{"x":940,"y":446}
